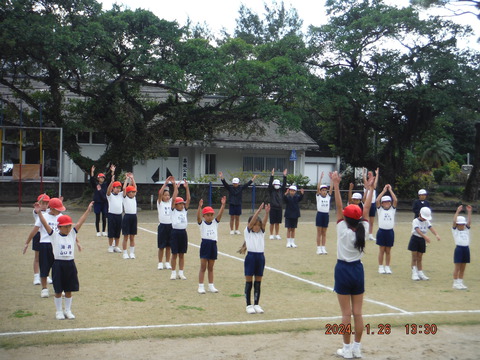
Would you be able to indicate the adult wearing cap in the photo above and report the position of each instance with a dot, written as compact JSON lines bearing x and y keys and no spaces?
{"x":99,"y":185}
{"x":386,"y":208}
{"x":276,"y":190}
{"x":420,"y":202}
{"x":352,"y":229}
{"x":235,"y":192}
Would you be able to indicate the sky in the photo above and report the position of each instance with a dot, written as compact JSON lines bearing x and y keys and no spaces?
{"x":220,"y":14}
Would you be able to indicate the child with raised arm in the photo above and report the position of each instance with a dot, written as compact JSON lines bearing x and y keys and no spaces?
{"x":208,"y":247}
{"x":418,"y":240}
{"x":164,"y":231}
{"x":179,"y":240}
{"x":100,"y":208}
{"x":254,"y":264}
{"x":292,"y":213}
{"x":276,"y":190}
{"x":352,"y":227}
{"x":129,"y":221}
{"x":461,"y":256}
{"x":373,"y":208}
{"x":64,"y":271}
{"x":386,"y":209}
{"x":115,"y":210}
{"x":323,"y":215}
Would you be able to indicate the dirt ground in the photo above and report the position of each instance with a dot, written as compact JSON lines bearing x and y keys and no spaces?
{"x":129,"y":309}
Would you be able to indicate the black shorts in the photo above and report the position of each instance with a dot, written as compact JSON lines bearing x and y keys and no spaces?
{"x":179,"y":241}
{"x":461,"y":255}
{"x":64,"y":276}
{"x":417,"y":244}
{"x":385,"y":237}
{"x":235,"y":209}
{"x":349,"y":278}
{"x":46,"y":259}
{"x":254,"y":264}
{"x":164,"y":234}
{"x":36,"y":242}
{"x":208,"y":249}
{"x":373,"y":210}
{"x":291,"y":223}
{"x":114,"y":225}
{"x":129,"y":224}
{"x":100,"y":208}
{"x":322,"y":219}
{"x":276,"y":216}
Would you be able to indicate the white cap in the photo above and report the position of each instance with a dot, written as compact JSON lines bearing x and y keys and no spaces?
{"x":293,"y":187}
{"x":426,"y":213}
{"x":386,"y":198}
{"x":235,"y":181}
{"x":357,"y":196}
{"x":461,"y":220}
{"x":323,"y":186}
{"x":422,"y":192}
{"x":276,"y":182}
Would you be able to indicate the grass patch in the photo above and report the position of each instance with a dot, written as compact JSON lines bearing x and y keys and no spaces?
{"x":236,"y":295}
{"x":185,"y":307}
{"x":21,"y":314}
{"x":135,"y":298}
{"x":307,"y":273}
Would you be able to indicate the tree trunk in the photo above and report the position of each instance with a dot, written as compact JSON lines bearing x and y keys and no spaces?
{"x":471,"y":189}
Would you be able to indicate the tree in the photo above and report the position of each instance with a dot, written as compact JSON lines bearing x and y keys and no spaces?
{"x":467,"y":9}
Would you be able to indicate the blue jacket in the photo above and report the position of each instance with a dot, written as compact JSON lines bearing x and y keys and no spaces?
{"x":235,"y":193}
{"x":276,"y":196}
{"x":292,"y":209}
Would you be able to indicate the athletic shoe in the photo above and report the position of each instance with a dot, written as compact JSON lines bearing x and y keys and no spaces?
{"x":251,"y":309}
{"x":104,"y":233}
{"x":117,"y":249}
{"x":201,"y":289}
{"x":132,"y":255}
{"x":388,"y":270}
{"x":293,"y":245}
{"x":371,"y":238}
{"x":99,"y":234}
{"x":237,"y":232}
{"x":324,"y":249}
{"x":232,"y":232}
{"x":258,"y":309}
{"x":415,"y":276}
{"x":381,"y":269}
{"x":464,"y":287}
{"x":49,"y":280}
{"x":272,"y":237}
{"x":345,"y":353}
{"x":59,"y":315}
{"x":357,"y":352}
{"x":36,"y":279}
{"x":110,"y":249}
{"x":289,"y":244}
{"x":212,"y":289}
{"x":160,"y":266}
{"x":182,"y":277}
{"x":422,"y":276}
{"x":173,"y":276}
{"x":319,"y":250}
{"x":278,"y":237}
{"x":69,"y":315}
{"x":44,"y":293}
{"x":168,"y":266}
{"x":125,"y":256}
{"x":457,"y":285}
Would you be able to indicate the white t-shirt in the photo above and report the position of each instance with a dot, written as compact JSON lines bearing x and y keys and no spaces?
{"x":323,"y":203}
{"x":386,"y":218}
{"x":374,"y":196}
{"x":179,"y":219}
{"x":422,"y":225}
{"x":209,"y":231}
{"x":52,"y":221}
{"x":130,"y":205}
{"x":164,"y":212}
{"x":461,"y":237}
{"x":346,"y":250}
{"x":64,"y":245}
{"x":255,"y":241}
{"x":115,"y":203}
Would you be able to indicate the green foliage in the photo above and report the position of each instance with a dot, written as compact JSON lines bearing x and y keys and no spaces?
{"x":408,"y":186}
{"x":22,"y":313}
{"x":186,"y":307}
{"x":135,"y":298}
{"x":454,"y":170}
{"x":439,"y":174}
{"x":455,"y":191}
{"x":299,"y":180}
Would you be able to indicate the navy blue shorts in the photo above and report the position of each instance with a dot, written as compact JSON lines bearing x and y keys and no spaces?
{"x":291,"y":223}
{"x":276,"y":216}
{"x":129,"y":224}
{"x":385,"y":237}
{"x":64,"y":276}
{"x":254,"y":264}
{"x":461,"y":255}
{"x":349,"y":278}
{"x":46,"y":259}
{"x":114,"y":225}
{"x":322,"y":219}
{"x":417,"y":244}
{"x":100,"y":208}
{"x":373,"y":210}
{"x":179,"y":241}
{"x":208,"y":249}
{"x":164,"y":234}
{"x":36,"y":242}
{"x":235,"y":209}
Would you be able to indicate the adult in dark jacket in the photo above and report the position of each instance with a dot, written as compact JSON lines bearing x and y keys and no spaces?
{"x":276,"y":191}
{"x":420,"y":202}
{"x":235,"y":192}
{"x":99,"y":185}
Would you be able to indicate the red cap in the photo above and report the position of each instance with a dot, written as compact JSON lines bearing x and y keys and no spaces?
{"x":46,"y":198}
{"x":64,"y":220}
{"x":130,"y":188}
{"x":101,"y":175}
{"x":56,"y":203}
{"x":179,"y":200}
{"x":353,"y":211}
{"x":208,"y":210}
{"x":117,"y":184}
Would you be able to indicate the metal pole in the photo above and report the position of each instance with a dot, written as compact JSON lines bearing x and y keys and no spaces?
{"x":210,"y":190}
{"x":60,"y":165}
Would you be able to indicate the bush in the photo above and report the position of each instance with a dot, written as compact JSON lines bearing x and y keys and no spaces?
{"x":409,"y":186}
{"x":439,"y":174}
{"x":299,"y":180}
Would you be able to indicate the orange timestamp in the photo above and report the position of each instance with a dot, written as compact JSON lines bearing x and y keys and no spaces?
{"x":381,"y":329}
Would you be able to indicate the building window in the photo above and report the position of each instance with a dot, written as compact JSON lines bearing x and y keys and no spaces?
{"x":210,"y":161}
{"x":263,"y":163}
{"x":83,"y":137}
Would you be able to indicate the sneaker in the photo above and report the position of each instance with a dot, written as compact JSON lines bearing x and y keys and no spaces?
{"x":36,"y":279}
{"x":357,"y":352}
{"x":125,"y":256}
{"x":345,"y":353}
{"x":99,"y":234}
{"x":110,"y":249}
{"x":289,"y":244}
{"x":212,"y":289}
{"x":182,"y":277}
{"x":68,"y":314}
{"x":415,"y":276}
{"x":371,"y":238}
{"x":104,"y":234}
{"x":388,"y":270}
{"x":232,"y":232}
{"x":117,"y":249}
{"x":59,"y":315}
{"x":44,"y":293}
{"x":381,"y":269}
{"x":237,"y":232}
{"x":258,"y":309}
{"x":132,"y":255}
{"x":201,"y":289}
{"x":168,"y":266}
{"x":49,"y":280}
{"x":464,"y":287}
{"x":422,"y":276}
{"x":319,"y":250}
{"x":251,"y":309}
{"x":293,"y":245}
{"x":278,"y":237}
{"x":272,"y":237}
{"x":324,"y":249}
{"x":160,"y":266}
{"x":173,"y":276}
{"x":457,"y":286}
